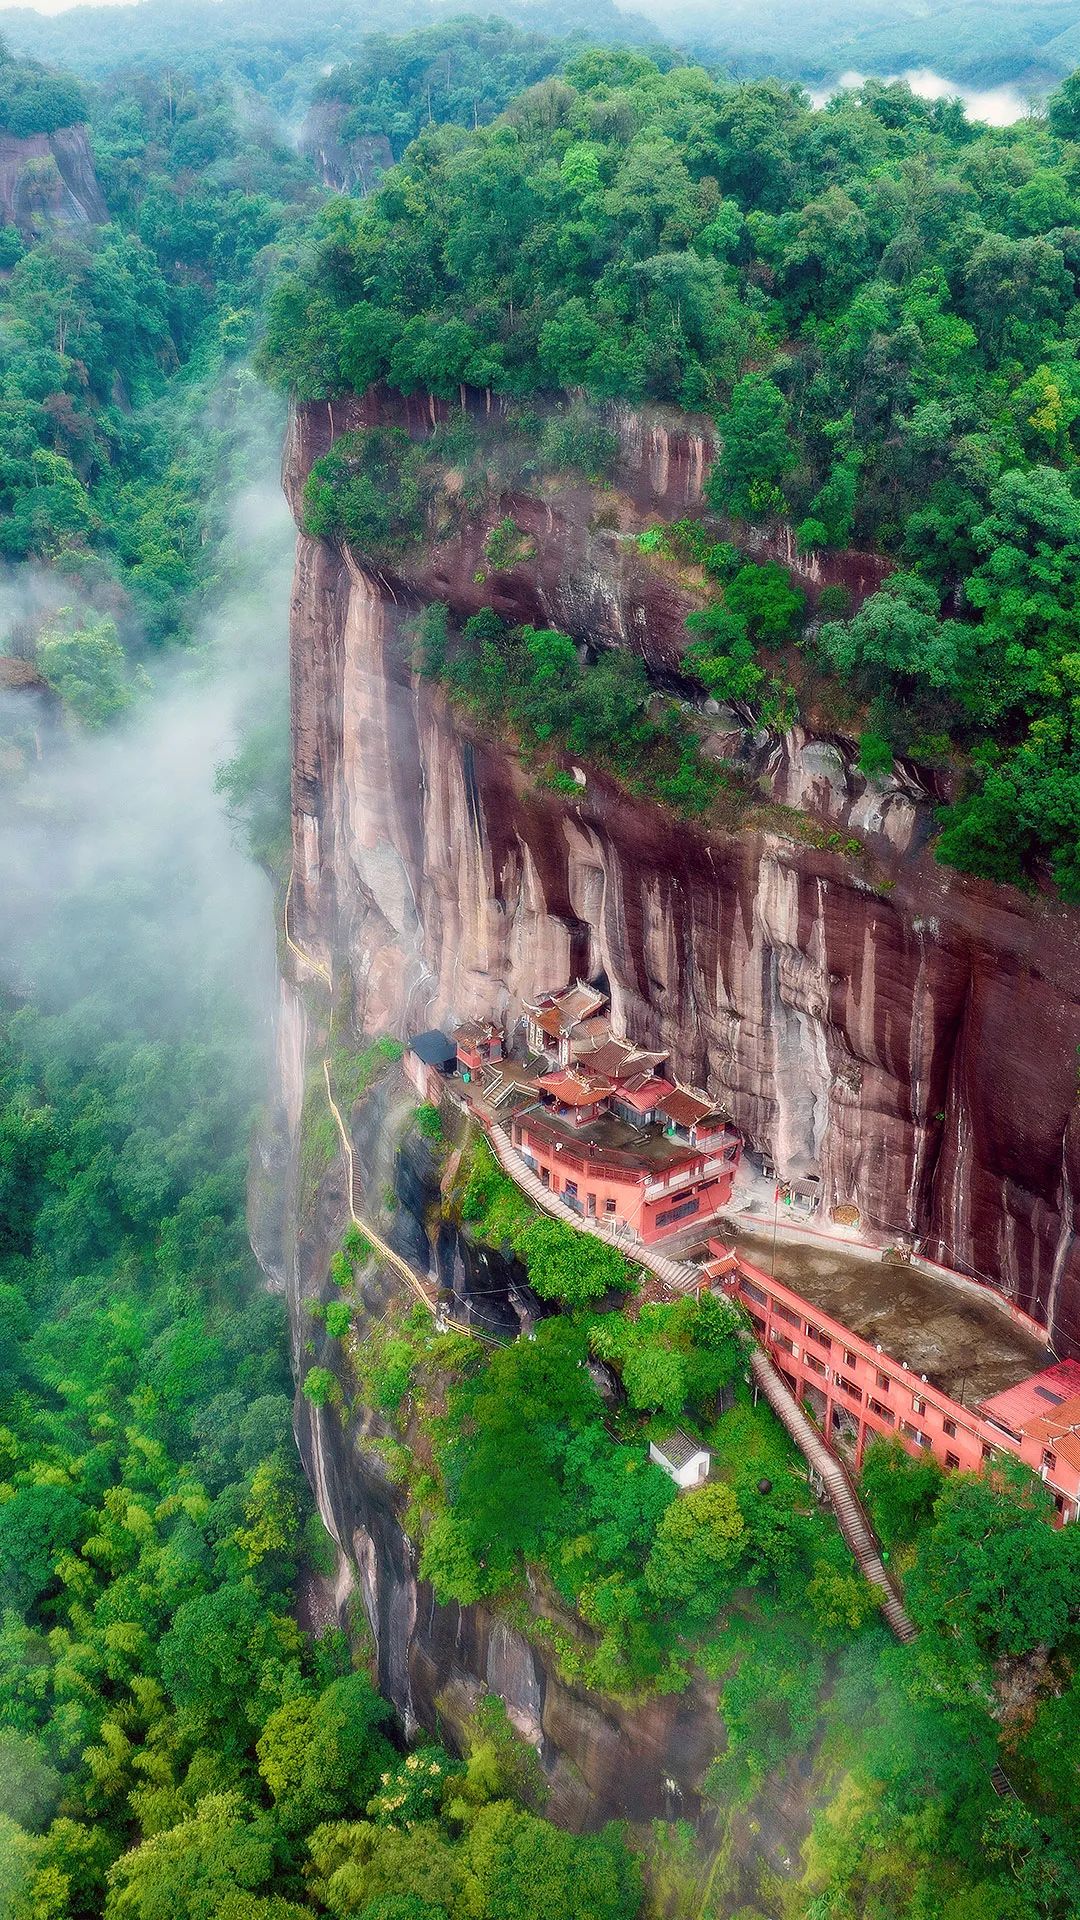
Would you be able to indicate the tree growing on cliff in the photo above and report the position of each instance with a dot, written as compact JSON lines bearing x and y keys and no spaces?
{"x":992,"y":1574}
{"x":570,"y":1267}
{"x":900,"y":1491}
{"x":369,"y":491}
{"x":756,"y":453}
{"x":698,"y":1546}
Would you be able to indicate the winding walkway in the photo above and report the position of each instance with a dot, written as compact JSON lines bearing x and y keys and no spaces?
{"x":382,"y":1247}
{"x":418,"y":1284}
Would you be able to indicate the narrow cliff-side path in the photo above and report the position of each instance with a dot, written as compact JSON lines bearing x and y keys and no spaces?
{"x":308,"y":959}
{"x":382,"y":1247}
{"x":417,"y":1283}
{"x":850,"y":1514}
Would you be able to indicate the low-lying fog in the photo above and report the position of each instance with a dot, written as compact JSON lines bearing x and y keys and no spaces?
{"x":998,"y":106}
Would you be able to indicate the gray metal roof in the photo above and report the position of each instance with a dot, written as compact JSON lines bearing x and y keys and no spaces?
{"x":433,"y":1048}
{"x":678,"y":1449}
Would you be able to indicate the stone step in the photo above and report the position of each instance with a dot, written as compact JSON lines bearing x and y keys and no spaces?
{"x":852,"y":1521}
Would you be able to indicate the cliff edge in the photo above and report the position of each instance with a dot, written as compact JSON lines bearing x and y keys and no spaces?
{"x":909,"y":1035}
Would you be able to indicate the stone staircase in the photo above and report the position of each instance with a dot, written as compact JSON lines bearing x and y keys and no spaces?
{"x":837,"y":1482}
{"x":677,"y":1274}
{"x":683,"y":1278}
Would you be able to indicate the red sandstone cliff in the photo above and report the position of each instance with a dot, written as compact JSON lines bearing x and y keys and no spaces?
{"x":910,"y":1035}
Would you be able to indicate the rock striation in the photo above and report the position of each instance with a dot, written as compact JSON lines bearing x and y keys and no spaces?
{"x":907,"y":1034}
{"x":51,"y":177}
{"x":346,"y":163}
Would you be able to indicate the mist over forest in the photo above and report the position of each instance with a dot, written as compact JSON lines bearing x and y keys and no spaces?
{"x":279,"y":50}
{"x":847,"y":240}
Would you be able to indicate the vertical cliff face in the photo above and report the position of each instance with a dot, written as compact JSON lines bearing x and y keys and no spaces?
{"x":347,"y":163}
{"x":909,"y":1035}
{"x":600,"y":1759}
{"x":50,"y":176}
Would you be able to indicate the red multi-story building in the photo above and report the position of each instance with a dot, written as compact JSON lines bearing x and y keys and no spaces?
{"x":856,"y":1391}
{"x":650,"y":1186}
{"x":598,"y":1121}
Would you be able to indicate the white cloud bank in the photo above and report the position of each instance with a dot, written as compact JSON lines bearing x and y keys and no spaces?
{"x":997,"y":106}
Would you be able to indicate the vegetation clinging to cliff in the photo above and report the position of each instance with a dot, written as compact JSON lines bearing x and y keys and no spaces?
{"x":561,"y":1264}
{"x":875,"y":301}
{"x":533,"y":684}
{"x":34,"y":100}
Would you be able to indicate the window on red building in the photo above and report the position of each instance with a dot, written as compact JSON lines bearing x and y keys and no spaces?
{"x":952,"y":1460}
{"x":987,"y":1452}
{"x":681,"y":1212}
{"x":850,"y":1359}
{"x":815,"y":1365}
{"x":883,"y":1381}
{"x":785,"y":1313}
{"x":848,"y":1387}
{"x":1050,"y":1461}
{"x":883,"y":1413}
{"x":815,"y":1333}
{"x":950,"y":1428}
{"x":754,"y":1293}
{"x":918,"y":1403}
{"x":609,"y":1206}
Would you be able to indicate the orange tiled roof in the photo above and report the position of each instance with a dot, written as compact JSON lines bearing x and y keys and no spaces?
{"x":575,"y":1089}
{"x":1059,"y":1431}
{"x":686,"y":1108}
{"x":549,"y":1021}
{"x":556,"y":1013}
{"x":644,"y":1093}
{"x":612,"y":1058}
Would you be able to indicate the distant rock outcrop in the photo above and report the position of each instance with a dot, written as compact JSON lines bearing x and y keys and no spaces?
{"x":49,"y":176}
{"x":347,"y":164}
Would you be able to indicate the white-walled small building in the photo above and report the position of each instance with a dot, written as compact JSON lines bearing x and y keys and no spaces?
{"x":684,"y":1460}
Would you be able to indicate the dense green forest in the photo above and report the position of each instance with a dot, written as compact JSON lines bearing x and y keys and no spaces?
{"x":277,"y":50}
{"x":171,"y":1742}
{"x":515,"y":1464}
{"x":876,"y":304}
{"x":121,"y":350}
{"x":980,"y":42}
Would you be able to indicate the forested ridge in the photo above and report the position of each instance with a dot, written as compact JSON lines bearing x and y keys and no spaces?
{"x":171,"y":1742}
{"x":875,"y":306}
{"x":875,"y":302}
